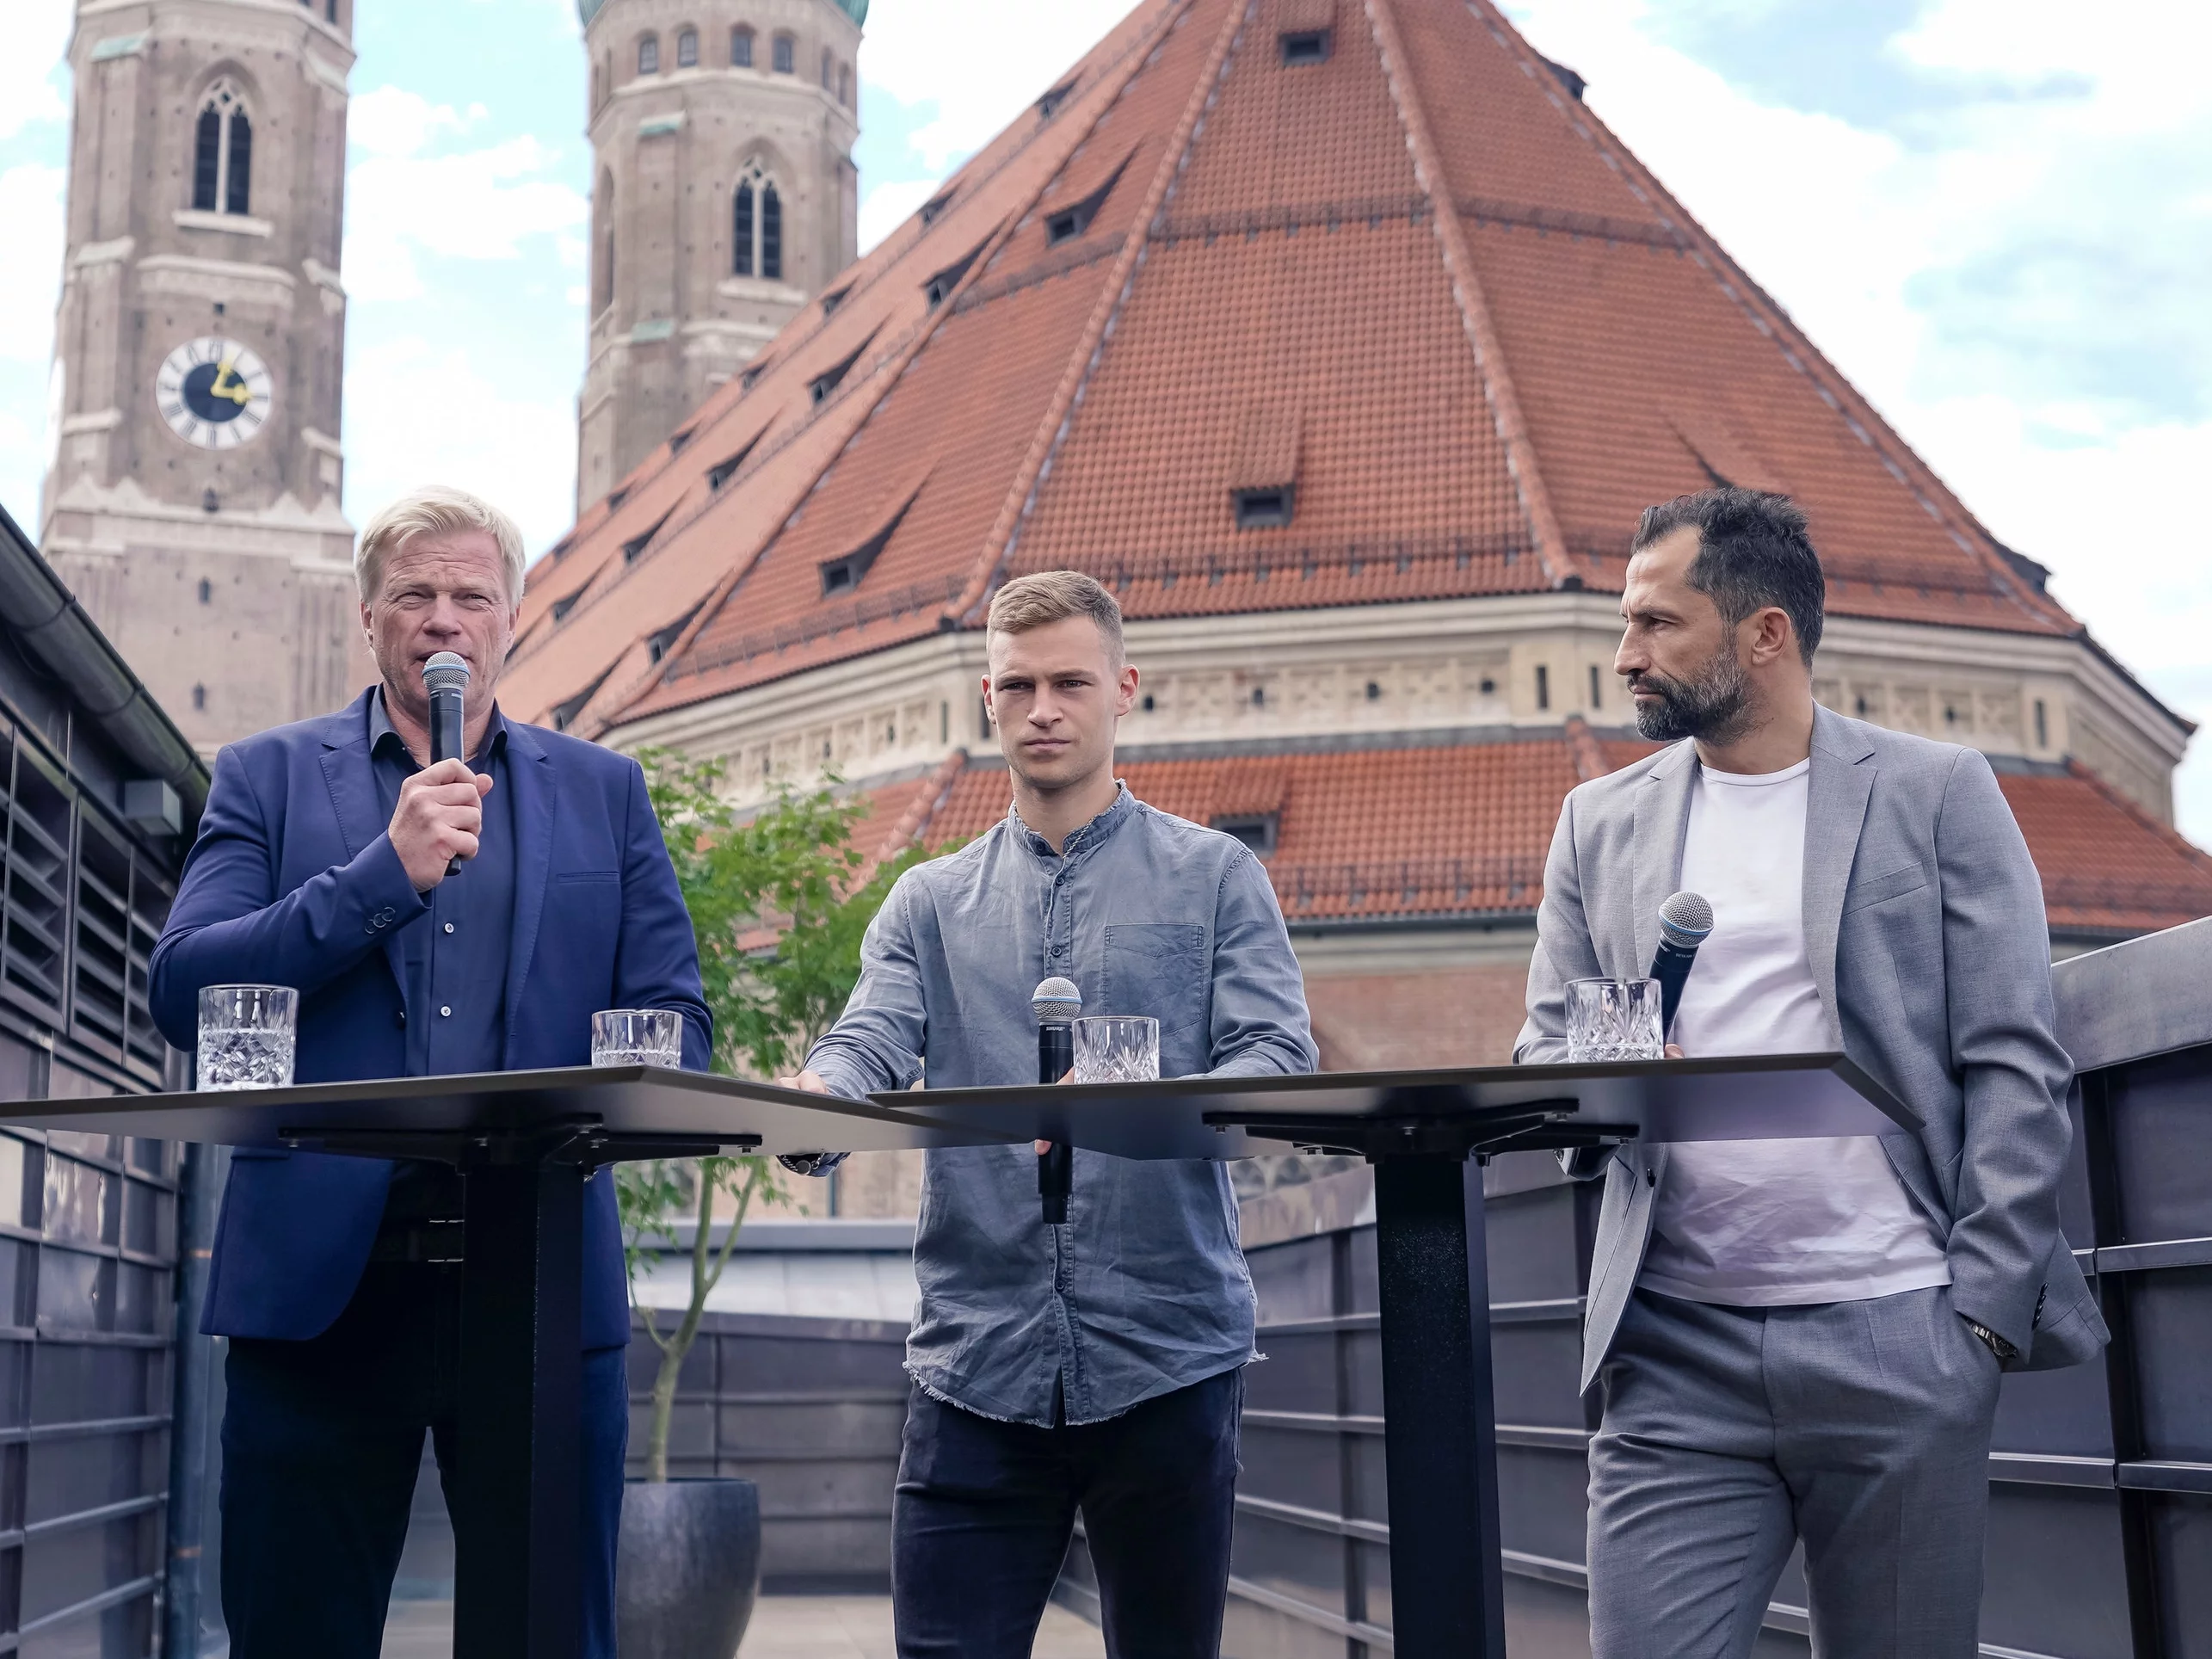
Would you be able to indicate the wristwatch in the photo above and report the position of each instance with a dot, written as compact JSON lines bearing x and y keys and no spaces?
{"x":1997,"y":1345}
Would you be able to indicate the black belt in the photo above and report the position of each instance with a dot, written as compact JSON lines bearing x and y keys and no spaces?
{"x":434,"y":1239}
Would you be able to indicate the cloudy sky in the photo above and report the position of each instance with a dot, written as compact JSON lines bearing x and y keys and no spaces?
{"x":1995,"y":215}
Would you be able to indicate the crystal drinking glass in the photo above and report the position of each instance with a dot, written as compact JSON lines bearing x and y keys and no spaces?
{"x":246,"y":1036}
{"x":638,"y":1037}
{"x":1118,"y":1048}
{"x":1613,"y":1019}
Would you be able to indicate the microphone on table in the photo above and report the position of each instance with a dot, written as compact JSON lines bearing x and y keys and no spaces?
{"x":1684,"y":921}
{"x":446,"y":677}
{"x":1055,"y":1003}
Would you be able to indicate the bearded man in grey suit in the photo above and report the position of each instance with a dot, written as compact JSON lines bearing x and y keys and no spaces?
{"x":1803,"y":1338}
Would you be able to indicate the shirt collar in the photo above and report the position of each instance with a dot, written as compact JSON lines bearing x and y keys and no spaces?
{"x":380,"y":728}
{"x":1090,"y":835}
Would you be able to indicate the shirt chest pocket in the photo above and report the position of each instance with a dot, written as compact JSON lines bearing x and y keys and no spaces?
{"x":1157,"y":968}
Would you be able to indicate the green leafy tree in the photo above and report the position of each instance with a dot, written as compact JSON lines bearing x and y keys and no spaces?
{"x":778,"y":904}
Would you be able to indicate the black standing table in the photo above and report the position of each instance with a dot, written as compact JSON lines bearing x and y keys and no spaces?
{"x":1427,"y":1133}
{"x":525,"y":1143}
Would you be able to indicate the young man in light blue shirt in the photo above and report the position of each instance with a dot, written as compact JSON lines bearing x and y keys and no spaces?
{"x":1095,"y":1365}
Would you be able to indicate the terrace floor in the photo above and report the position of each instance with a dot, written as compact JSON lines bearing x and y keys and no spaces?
{"x":783,"y":1627}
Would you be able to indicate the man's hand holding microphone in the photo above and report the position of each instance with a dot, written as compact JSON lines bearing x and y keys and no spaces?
{"x":440,"y":810}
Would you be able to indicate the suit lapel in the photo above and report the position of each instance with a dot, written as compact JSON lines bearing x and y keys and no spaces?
{"x":1662,"y":816}
{"x":1840,"y":780}
{"x":348,"y":774}
{"x":531,"y":775}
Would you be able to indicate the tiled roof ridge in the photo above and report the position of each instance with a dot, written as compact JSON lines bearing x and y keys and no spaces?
{"x":1799,"y":352}
{"x":2166,"y":832}
{"x":1583,"y":747}
{"x":914,"y":823}
{"x":883,"y":379}
{"x":1482,"y":332}
{"x":1021,"y":495}
{"x":673,"y":523}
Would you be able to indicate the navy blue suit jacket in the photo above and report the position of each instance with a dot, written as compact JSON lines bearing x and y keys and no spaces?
{"x":294,"y":881}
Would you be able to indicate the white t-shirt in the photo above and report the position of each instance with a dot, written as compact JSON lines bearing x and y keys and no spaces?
{"x":1775,"y":1222}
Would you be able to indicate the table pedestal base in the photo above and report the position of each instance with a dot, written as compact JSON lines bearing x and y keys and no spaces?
{"x":1447,"y":1594}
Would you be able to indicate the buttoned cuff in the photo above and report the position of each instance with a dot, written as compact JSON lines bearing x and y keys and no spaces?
{"x":383,"y":890}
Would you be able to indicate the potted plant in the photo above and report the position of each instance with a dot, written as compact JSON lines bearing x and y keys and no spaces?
{"x":779,"y":903}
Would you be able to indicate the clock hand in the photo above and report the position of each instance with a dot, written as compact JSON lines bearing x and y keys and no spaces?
{"x":236,"y":391}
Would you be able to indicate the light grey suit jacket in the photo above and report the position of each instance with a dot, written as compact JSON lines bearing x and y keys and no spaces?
{"x":1924,"y":924}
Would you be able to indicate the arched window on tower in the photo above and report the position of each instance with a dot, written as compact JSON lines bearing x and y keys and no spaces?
{"x":687,"y":49}
{"x":845,"y":84}
{"x":649,"y":55}
{"x":828,"y":69}
{"x":597,"y":86}
{"x":756,"y":225}
{"x":786,"y":60}
{"x":740,"y":46}
{"x":223,"y":153}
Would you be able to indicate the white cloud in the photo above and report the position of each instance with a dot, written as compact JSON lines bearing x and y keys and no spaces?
{"x":978,"y":65}
{"x":417,"y":415}
{"x":30,"y":275}
{"x":887,"y":206}
{"x":476,"y":204}
{"x":33,"y":82}
{"x":389,"y":121}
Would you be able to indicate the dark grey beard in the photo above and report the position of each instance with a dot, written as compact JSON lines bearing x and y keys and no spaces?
{"x":1714,"y":706}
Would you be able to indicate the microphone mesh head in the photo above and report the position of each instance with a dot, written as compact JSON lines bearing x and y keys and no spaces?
{"x":1685,"y":920}
{"x":445,"y":672}
{"x":1056,"y":1002}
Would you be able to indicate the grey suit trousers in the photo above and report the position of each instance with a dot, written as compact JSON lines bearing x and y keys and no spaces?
{"x":1729,"y":1433}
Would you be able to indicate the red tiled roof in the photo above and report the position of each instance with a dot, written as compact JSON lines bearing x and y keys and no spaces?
{"x":1461,"y":830}
{"x":2106,"y":864}
{"x":1419,"y":277}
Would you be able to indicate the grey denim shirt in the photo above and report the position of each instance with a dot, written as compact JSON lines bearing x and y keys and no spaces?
{"x":1144,"y":1289}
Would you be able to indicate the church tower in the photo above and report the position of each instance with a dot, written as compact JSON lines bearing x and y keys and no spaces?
{"x":724,"y":199}
{"x":192,"y":495}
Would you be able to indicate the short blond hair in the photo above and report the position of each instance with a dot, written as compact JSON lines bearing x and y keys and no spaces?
{"x":434,"y":510}
{"x":1038,"y":601}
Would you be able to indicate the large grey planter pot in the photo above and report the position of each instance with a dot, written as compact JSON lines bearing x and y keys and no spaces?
{"x":687,"y":1569}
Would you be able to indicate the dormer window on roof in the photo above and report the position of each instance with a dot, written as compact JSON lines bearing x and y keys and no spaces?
{"x":658,"y":644}
{"x":831,"y":301}
{"x":1258,"y":830}
{"x":939,"y":287}
{"x":1265,"y":510}
{"x":830,"y":379}
{"x":1310,"y":45}
{"x":563,"y":607}
{"x":1071,"y":222}
{"x":638,"y":545}
{"x":841,"y":575}
{"x":721,"y":472}
{"x":1049,"y":105}
{"x":935,"y":205}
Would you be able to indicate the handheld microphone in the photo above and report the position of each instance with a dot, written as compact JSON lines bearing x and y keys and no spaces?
{"x":446,"y":677}
{"x":1055,"y":1003}
{"x":1684,"y":921}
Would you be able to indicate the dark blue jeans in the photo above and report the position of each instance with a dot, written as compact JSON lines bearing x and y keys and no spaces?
{"x":321,"y":1444}
{"x":984,"y":1511}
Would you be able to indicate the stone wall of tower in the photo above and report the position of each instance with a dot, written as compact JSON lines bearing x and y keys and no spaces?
{"x":222,"y":573}
{"x":672,"y":317}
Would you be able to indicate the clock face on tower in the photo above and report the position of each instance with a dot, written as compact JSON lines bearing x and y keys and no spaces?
{"x":213,"y":392}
